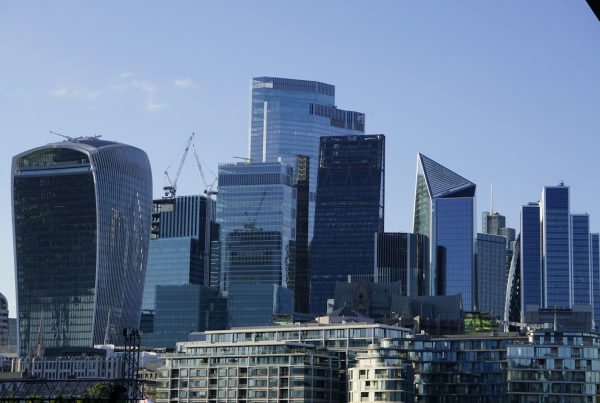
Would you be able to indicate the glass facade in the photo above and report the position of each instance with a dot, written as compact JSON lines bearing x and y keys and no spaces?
{"x":531,"y":253}
{"x":445,"y":212}
{"x":81,"y":214}
{"x":556,"y":244}
{"x":3,"y":321}
{"x":581,"y":259}
{"x":287,"y":119}
{"x":256,"y":211}
{"x":491,"y":274}
{"x":349,"y":212}
{"x":595,"y":267}
{"x":402,"y":257}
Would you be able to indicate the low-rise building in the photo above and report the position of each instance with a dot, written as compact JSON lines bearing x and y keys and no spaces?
{"x":555,"y":366}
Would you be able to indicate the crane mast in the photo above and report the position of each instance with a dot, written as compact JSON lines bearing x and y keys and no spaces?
{"x":171,"y":188}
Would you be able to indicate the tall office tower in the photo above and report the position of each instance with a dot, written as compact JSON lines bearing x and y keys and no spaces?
{"x":288,"y":117}
{"x":349,"y":211}
{"x":492,"y":222}
{"x":491,"y":274}
{"x":445,"y":212}
{"x":595,"y":267}
{"x":556,"y":243}
{"x":402,"y":257}
{"x":81,"y":216}
{"x":179,"y":250}
{"x":3,"y":320}
{"x":256,"y":213}
{"x":581,"y":259}
{"x":531,"y":276}
{"x":299,"y":278}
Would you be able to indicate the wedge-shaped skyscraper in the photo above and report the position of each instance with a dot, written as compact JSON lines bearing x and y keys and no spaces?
{"x":81,"y":215}
{"x":444,"y":211}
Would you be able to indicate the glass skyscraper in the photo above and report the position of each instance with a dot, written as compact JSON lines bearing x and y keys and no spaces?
{"x":556,"y":242}
{"x":256,"y":211}
{"x":349,"y":212}
{"x":491,"y":274}
{"x":581,"y":259}
{"x":445,"y":212}
{"x":531,"y":252}
{"x":595,"y":267}
{"x":288,"y":117}
{"x":81,"y":216}
{"x":402,"y":257}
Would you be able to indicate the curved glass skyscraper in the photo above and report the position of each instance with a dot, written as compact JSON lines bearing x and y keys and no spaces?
{"x":81,"y":216}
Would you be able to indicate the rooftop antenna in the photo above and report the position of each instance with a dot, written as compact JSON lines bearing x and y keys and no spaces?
{"x":491,"y":198}
{"x":561,"y":183}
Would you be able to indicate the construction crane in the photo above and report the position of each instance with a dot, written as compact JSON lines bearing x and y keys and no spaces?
{"x":171,"y":188}
{"x":207,"y":188}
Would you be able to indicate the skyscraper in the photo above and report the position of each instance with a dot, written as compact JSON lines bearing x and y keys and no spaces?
{"x":556,"y":243}
{"x":402,"y":257}
{"x":3,"y":320}
{"x":531,"y":285}
{"x":287,"y":119}
{"x":349,"y":212}
{"x":81,"y":215}
{"x":581,"y":259}
{"x":595,"y":267}
{"x":256,"y":214}
{"x":444,"y":212}
{"x":491,"y":273}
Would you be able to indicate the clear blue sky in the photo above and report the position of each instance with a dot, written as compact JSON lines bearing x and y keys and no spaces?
{"x":501,"y":92}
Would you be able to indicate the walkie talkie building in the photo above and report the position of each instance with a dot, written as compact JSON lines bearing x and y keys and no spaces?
{"x":81,"y":217}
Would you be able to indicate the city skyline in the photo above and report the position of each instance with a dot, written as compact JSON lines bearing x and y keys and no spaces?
{"x":505,"y":84}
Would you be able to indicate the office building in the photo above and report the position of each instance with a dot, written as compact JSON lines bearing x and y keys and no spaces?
{"x":581,"y":259}
{"x":531,"y":285}
{"x":402,"y":257}
{"x":445,"y":213}
{"x":556,"y":243}
{"x":3,"y":321}
{"x":554,"y":366}
{"x":288,"y":117}
{"x":492,"y":222}
{"x":256,"y":215}
{"x":595,"y":266}
{"x":491,"y":274}
{"x":349,"y":212}
{"x":81,"y":216}
{"x":183,"y":309}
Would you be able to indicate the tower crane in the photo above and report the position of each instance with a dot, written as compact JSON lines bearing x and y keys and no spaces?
{"x":171,"y":188}
{"x":207,"y":188}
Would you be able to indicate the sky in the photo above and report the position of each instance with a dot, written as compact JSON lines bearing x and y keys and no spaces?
{"x":504,"y":93}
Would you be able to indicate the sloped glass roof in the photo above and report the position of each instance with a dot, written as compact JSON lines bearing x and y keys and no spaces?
{"x":442,"y":182}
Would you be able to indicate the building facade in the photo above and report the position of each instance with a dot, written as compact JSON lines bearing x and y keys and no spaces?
{"x":256,"y":216}
{"x":491,"y":274}
{"x":556,"y":244}
{"x":81,"y":216}
{"x":288,"y":117}
{"x":349,"y":212}
{"x":445,"y":213}
{"x":3,"y":321}
{"x":531,"y":284}
{"x":554,"y":366}
{"x":581,"y":259}
{"x":403,"y":257}
{"x":595,"y":256}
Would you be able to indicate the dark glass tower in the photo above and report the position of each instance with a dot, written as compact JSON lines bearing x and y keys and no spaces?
{"x":444,"y":212}
{"x":556,"y":246}
{"x":595,"y":267}
{"x":81,"y":214}
{"x":402,"y":257}
{"x":349,"y":212}
{"x":531,"y":254}
{"x":491,"y":274}
{"x":287,"y":119}
{"x":581,"y":259}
